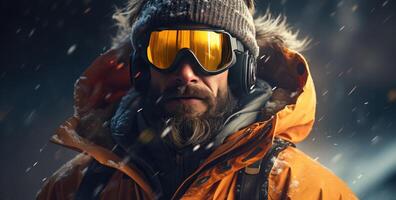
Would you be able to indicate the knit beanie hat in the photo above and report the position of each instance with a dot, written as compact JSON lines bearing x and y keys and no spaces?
{"x":232,"y":16}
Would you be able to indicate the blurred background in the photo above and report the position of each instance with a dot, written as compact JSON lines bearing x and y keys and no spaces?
{"x":46,"y":45}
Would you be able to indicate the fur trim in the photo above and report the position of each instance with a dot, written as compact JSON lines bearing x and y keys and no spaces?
{"x":276,"y":31}
{"x":124,"y":18}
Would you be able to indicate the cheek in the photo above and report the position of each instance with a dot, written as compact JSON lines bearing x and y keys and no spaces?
{"x":218,"y":84}
{"x":224,"y":81}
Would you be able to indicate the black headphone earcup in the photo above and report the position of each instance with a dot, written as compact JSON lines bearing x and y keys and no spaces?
{"x":242,"y":76}
{"x":140,"y":73}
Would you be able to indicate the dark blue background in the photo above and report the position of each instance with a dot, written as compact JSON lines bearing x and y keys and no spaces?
{"x":351,"y":57}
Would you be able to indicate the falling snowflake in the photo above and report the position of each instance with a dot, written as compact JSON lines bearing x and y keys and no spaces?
{"x":294,"y":184}
{"x":166,"y":131}
{"x":210,"y":145}
{"x":196,"y":147}
{"x":71,"y":49}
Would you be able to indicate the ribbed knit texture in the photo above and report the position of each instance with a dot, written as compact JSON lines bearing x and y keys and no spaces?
{"x":232,"y":16}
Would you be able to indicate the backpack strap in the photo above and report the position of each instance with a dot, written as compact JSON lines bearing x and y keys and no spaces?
{"x":252,"y":181}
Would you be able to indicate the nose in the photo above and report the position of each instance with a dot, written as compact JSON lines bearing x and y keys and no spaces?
{"x":185,"y":74}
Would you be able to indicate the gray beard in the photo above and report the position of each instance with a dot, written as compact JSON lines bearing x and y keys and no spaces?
{"x":181,"y":131}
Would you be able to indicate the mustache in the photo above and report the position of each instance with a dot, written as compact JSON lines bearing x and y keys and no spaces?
{"x":185,"y":91}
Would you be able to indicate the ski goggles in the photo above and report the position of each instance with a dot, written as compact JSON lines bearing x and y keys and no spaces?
{"x":213,"y":50}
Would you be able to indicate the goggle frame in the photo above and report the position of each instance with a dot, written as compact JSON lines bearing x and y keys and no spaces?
{"x":143,"y":42}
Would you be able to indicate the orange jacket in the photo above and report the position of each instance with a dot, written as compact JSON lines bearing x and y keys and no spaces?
{"x":294,"y":175}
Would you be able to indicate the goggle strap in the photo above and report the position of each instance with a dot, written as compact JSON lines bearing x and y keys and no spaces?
{"x":238,"y":44}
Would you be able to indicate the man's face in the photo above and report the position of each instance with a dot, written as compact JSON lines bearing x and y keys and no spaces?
{"x":194,"y":105}
{"x":186,"y":92}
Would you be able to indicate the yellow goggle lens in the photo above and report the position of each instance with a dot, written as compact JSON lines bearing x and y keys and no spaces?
{"x":212,"y":49}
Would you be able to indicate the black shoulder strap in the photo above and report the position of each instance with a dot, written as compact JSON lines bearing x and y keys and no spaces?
{"x":94,"y":181}
{"x":252,"y":181}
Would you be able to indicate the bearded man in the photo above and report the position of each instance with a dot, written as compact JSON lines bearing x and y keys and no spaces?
{"x":197,"y":100}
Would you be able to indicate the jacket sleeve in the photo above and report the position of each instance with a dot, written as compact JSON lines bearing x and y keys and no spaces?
{"x":296,"y":176}
{"x":63,"y":184}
